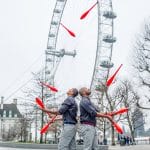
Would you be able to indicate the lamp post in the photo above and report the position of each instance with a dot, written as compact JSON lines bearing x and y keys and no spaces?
{"x":36,"y":109}
{"x":42,"y":115}
{"x":1,"y":129}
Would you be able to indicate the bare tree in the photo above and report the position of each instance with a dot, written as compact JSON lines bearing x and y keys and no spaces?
{"x":23,"y":129}
{"x":141,"y":61}
{"x":129,"y":100}
{"x":28,"y":106}
{"x":115,"y":100}
{"x":109,"y":102}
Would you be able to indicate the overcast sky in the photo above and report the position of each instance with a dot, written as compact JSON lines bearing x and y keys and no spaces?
{"x":24,"y":26}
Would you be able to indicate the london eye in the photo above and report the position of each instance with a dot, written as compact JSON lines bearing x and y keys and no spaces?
{"x":89,"y":40}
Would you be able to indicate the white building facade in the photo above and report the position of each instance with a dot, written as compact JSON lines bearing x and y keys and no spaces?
{"x":9,"y":120}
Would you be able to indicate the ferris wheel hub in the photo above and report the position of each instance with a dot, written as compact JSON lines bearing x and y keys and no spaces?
{"x":61,"y":53}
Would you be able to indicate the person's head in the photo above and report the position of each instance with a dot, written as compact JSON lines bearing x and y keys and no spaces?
{"x":72,"y":92}
{"x":84,"y":91}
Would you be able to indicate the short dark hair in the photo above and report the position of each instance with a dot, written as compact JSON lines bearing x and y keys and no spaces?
{"x":75,"y":92}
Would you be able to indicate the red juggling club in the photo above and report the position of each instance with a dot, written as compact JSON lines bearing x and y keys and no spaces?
{"x":121,"y":111}
{"x":110,"y":80}
{"x":50,"y":87}
{"x":117,"y":127}
{"x":40,"y":104}
{"x":87,"y":12}
{"x":69,"y":31}
{"x":45,"y":128}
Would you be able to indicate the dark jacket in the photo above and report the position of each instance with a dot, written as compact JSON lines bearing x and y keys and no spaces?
{"x":87,"y":111}
{"x":69,"y":110}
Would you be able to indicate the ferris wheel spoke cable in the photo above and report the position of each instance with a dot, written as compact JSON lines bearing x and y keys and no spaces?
{"x":21,"y":75}
{"x":18,"y":89}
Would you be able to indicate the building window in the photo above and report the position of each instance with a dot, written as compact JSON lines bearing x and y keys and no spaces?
{"x":15,"y":115}
{"x":4,"y":113}
{"x":10,"y":113}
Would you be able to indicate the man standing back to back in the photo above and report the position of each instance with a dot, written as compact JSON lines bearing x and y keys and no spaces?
{"x":88,"y":114}
{"x":68,"y":110}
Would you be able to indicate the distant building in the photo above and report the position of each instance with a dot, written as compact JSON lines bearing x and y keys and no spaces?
{"x":138,"y":122}
{"x":9,"y":120}
{"x":147,"y":132}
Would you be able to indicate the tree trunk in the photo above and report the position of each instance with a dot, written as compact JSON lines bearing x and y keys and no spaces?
{"x":131,"y":128}
{"x":42,"y":116}
{"x":113,"y":136}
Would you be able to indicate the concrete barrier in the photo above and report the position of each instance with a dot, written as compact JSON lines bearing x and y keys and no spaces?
{"x":42,"y":146}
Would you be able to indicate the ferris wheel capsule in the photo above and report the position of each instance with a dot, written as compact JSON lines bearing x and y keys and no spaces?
{"x":57,"y":11}
{"x":49,"y":47}
{"x":109,"y":14}
{"x":60,"y":0}
{"x":109,"y":39}
{"x":49,"y":60}
{"x":51,"y":35}
{"x":106,"y":64}
{"x":100,"y":88}
{"x":54,"y":23}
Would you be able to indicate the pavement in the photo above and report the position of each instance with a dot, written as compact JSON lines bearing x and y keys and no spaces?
{"x":7,"y":148}
{"x":132,"y":147}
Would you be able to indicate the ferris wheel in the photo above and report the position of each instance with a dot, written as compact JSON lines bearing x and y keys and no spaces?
{"x":70,"y":34}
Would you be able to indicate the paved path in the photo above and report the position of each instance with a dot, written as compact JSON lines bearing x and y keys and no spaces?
{"x":134,"y":147}
{"x":7,"y":148}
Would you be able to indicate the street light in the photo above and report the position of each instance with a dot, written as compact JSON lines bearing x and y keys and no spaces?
{"x":1,"y":134}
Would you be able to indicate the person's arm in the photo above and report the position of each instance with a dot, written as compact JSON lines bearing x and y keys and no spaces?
{"x":92,"y":111}
{"x":64,"y":107}
{"x":59,"y":118}
{"x":101,"y":115}
{"x":56,"y":112}
{"x":104,"y":115}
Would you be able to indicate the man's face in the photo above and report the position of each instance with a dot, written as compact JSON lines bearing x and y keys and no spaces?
{"x":70,"y":92}
{"x":88,"y":92}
